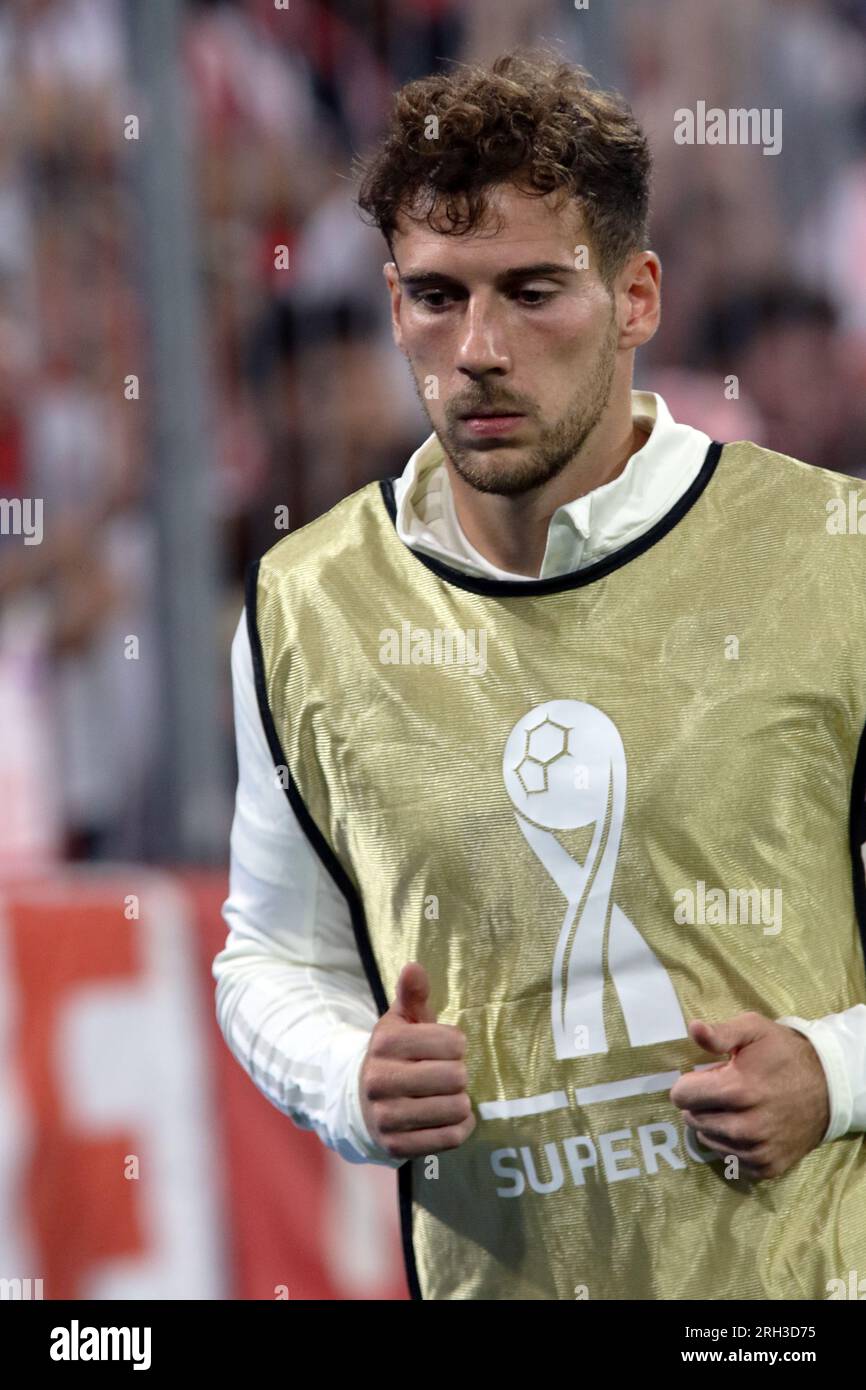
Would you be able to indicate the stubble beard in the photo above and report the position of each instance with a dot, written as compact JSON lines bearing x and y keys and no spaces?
{"x":497,"y":470}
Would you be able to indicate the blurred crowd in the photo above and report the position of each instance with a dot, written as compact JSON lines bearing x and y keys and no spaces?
{"x":765,"y":282}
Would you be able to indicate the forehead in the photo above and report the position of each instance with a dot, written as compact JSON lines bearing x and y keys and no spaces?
{"x":517,"y":227}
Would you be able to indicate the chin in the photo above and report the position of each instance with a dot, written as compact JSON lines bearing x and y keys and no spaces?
{"x":507,"y":482}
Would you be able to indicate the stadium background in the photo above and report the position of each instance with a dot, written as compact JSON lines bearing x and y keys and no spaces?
{"x":169,"y":380}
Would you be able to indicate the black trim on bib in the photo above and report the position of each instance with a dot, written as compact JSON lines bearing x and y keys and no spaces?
{"x":857,"y":835}
{"x":343,"y":882}
{"x":575,"y":579}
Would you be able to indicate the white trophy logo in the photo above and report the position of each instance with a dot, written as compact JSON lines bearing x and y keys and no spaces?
{"x":564,"y":768}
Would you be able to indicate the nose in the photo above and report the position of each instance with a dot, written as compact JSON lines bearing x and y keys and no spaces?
{"x":482,"y":347}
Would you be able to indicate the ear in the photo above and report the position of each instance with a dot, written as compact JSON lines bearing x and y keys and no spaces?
{"x":639,"y":295}
{"x":392,"y":279}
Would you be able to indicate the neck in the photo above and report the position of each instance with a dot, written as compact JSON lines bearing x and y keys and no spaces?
{"x":511,"y":532}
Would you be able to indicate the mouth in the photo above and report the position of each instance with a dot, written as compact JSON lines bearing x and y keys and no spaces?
{"x":487,"y":413}
{"x":491,"y":421}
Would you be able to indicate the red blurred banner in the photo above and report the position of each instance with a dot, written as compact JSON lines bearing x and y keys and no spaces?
{"x":137,"y":1158}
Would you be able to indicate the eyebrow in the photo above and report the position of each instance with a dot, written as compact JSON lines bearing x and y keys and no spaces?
{"x":419,"y":279}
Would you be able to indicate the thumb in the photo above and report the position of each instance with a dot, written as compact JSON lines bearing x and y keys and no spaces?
{"x":413,"y":994}
{"x":729,"y":1036}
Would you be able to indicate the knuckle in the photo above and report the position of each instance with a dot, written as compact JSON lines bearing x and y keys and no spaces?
{"x":372,"y":1087}
{"x":452,"y":1137}
{"x":380,"y":1040}
{"x":736,"y":1133}
{"x":375,"y":1086}
{"x":384,"y":1119}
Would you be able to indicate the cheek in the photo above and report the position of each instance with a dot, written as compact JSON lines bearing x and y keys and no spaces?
{"x":427,"y":341}
{"x":569,"y":330}
{"x":429,"y":352}
{"x":553,"y":360}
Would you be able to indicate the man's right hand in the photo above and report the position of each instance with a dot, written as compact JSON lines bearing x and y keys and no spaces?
{"x":413,"y":1079}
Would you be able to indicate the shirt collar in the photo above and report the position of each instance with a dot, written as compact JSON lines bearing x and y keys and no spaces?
{"x":580,"y":531}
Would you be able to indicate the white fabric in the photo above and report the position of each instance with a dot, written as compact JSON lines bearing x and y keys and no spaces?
{"x":292,"y":999}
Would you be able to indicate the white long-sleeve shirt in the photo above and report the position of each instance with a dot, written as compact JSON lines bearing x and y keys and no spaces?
{"x":292,"y":999}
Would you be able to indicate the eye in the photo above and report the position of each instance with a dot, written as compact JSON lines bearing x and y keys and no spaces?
{"x":536,"y":297}
{"x":423,"y":298}
{"x":435,"y":301}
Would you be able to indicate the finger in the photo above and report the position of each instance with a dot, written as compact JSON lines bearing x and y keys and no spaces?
{"x":702,"y":1101}
{"x":398,"y":1078}
{"x":728,"y":1120}
{"x":749,"y":1165}
{"x":730,"y":1035}
{"x":707,"y":1142}
{"x":421,"y":1042}
{"x":420,"y":1143}
{"x":413,"y":995}
{"x":701,"y":1033}
{"x":721,"y":1135}
{"x":697,"y":1091}
{"x":433,"y":1112}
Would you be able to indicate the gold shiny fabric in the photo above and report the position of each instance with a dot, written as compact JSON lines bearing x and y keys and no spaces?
{"x":689,"y":717}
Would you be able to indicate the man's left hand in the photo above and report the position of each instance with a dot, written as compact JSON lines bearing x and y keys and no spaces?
{"x":767,"y":1104}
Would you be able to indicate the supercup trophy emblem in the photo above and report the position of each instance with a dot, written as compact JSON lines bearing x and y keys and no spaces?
{"x":564,"y":768}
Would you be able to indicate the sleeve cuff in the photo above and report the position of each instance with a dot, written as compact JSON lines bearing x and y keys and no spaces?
{"x":832,"y":1060}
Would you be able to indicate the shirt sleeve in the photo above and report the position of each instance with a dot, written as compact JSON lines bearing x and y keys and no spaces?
{"x":840,"y":1042}
{"x":292,"y":1000}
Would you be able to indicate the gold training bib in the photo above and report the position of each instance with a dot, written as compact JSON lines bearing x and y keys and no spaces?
{"x":594,"y":807}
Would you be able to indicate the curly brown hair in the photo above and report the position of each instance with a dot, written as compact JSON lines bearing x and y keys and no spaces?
{"x":530,"y":119}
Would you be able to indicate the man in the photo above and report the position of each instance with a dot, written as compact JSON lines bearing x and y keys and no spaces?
{"x":567,"y":720}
